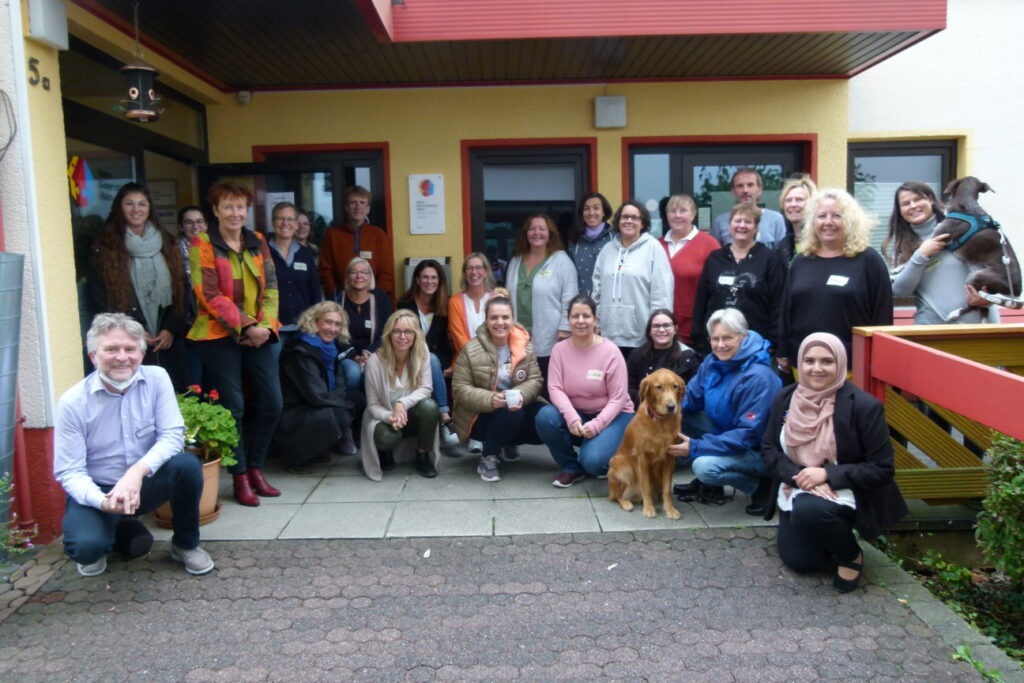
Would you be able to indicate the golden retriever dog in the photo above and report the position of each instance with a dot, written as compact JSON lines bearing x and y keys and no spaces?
{"x":641,"y":466}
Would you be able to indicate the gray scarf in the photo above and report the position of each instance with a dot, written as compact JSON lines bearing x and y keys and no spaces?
{"x":151,"y":278}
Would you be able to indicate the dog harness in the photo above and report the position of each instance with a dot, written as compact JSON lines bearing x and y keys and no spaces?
{"x":977,"y":223}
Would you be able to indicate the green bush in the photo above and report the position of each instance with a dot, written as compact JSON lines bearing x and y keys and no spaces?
{"x":1000,"y":531}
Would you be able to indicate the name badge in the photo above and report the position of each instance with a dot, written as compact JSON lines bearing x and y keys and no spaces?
{"x":148,"y":429}
{"x":727,"y":280}
{"x":597,"y":375}
{"x":366,"y":255}
{"x":298,"y":265}
{"x":544,"y":273}
{"x":367,"y":324}
{"x":837,"y":280}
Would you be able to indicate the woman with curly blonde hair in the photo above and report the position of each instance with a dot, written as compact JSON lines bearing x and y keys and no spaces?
{"x":398,"y":403}
{"x":318,"y":409}
{"x":836,"y":282}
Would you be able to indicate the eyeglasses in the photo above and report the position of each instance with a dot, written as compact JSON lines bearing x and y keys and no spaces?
{"x":403,"y":333}
{"x":360,"y":273}
{"x":629,"y":217}
{"x":475,"y":268}
{"x":195,"y":222}
{"x":727,"y":340}
{"x":663,"y":326}
{"x":284,"y":219}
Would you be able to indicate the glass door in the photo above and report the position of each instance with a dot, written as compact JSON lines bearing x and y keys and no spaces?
{"x":705,"y":172}
{"x":507,"y":185}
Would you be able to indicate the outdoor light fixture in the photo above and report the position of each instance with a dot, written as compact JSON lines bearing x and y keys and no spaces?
{"x":141,"y":102}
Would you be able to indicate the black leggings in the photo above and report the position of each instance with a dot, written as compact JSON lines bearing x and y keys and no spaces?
{"x":815,"y":532}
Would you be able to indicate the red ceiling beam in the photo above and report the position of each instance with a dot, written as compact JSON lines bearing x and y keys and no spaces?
{"x":378,"y":18}
{"x":444,"y":20}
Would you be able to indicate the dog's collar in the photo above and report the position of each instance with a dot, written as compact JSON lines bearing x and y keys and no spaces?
{"x":977,"y":223}
{"x":655,"y":416}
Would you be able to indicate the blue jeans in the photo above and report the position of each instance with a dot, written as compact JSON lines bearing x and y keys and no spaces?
{"x":353,"y":374}
{"x":594,"y":454}
{"x":224,"y":362}
{"x":89,"y":532}
{"x":440,"y":394}
{"x":741,"y":471}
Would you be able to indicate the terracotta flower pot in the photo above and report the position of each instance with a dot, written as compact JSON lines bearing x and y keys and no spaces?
{"x":209,"y":507}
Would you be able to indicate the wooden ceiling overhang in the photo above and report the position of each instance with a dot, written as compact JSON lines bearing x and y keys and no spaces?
{"x":332,"y":44}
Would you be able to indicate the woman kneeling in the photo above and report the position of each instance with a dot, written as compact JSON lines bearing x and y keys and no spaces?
{"x":591,"y":405}
{"x":828,"y":445}
{"x":318,"y":410}
{"x":496,"y":384}
{"x":398,"y":403}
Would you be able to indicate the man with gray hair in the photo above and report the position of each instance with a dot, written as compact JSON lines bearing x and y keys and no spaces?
{"x":118,"y":452}
{"x":747,"y":188}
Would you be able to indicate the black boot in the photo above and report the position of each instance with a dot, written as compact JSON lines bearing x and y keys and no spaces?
{"x":425,"y":465}
{"x":686,"y":492}
{"x":759,"y":499}
{"x":387,"y":460}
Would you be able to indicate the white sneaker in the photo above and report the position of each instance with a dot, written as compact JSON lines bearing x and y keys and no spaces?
{"x":94,"y":569}
{"x":475,"y":446}
{"x":448,"y":436}
{"x":197,"y":561}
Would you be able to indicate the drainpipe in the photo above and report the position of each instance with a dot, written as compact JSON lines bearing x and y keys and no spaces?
{"x":11,"y":269}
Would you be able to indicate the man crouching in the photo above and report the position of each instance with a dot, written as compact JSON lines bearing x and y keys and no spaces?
{"x":118,"y":453}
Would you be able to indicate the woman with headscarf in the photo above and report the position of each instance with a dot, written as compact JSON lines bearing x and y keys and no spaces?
{"x":827,"y":443}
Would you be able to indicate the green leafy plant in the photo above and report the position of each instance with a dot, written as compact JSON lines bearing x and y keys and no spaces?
{"x":13,"y":540}
{"x":1000,"y":530}
{"x":209,"y":428}
{"x":963,"y":653}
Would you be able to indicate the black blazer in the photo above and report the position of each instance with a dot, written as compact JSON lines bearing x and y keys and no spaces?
{"x":864,"y":458}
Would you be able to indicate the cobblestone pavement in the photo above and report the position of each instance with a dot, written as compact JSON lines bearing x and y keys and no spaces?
{"x":687,"y":605}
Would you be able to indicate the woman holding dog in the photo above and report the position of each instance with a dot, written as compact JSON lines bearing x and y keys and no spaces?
{"x":828,"y":445}
{"x":930,"y":272}
{"x":663,"y":349}
{"x":836,"y":282}
{"x":496,"y":384}
{"x":725,"y":412}
{"x":588,"y":384}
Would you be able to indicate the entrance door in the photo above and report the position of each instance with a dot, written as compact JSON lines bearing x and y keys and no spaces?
{"x":315,"y":182}
{"x":507,"y":185}
{"x":704,"y":172}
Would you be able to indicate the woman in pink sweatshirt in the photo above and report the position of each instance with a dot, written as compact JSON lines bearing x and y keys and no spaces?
{"x":590,"y":405}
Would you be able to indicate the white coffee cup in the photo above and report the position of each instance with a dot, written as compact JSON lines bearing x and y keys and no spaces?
{"x":513,"y":398}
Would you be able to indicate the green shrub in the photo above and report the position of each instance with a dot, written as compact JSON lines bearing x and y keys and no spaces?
{"x":1000,"y":531}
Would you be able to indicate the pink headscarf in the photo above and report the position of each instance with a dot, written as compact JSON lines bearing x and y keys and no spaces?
{"x":810,"y":438}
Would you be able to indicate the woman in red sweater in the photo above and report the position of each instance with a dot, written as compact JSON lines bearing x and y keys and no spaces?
{"x":687,"y":249}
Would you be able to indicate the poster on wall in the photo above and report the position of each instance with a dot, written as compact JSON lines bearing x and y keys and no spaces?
{"x":426,"y":204}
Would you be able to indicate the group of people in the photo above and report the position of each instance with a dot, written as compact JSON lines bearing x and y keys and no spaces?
{"x":555,"y":358}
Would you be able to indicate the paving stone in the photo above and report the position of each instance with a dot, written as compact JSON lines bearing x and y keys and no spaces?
{"x":660,"y":605}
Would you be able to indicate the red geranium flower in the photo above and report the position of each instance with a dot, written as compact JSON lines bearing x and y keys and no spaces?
{"x":196,"y":389}
{"x":214,"y":395}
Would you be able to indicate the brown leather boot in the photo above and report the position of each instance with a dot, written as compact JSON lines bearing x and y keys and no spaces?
{"x":243,"y":491}
{"x":260,"y":484}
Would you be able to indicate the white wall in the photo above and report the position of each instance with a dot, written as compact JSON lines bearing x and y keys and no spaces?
{"x":966,"y":80}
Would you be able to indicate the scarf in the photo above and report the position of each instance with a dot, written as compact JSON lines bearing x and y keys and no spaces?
{"x":151,"y":278}
{"x":328,"y":354}
{"x":810,"y":438}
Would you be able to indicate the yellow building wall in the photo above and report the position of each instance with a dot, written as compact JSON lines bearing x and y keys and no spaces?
{"x":54,"y":217}
{"x":424,"y":128}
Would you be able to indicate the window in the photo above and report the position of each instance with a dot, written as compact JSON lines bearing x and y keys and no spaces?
{"x":876,"y":169}
{"x":705,"y":173}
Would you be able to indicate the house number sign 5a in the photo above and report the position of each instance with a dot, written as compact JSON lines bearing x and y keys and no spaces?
{"x":33,"y":74}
